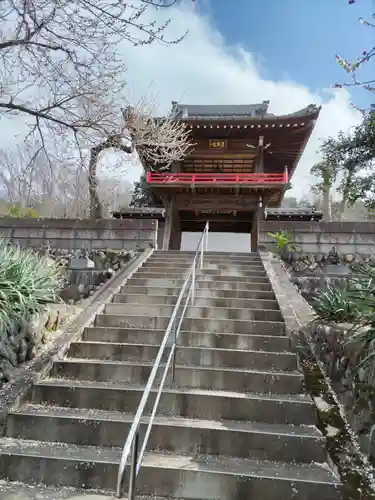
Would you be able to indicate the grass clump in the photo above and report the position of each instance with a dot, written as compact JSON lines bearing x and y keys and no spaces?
{"x":336,"y":305}
{"x":27,"y":283}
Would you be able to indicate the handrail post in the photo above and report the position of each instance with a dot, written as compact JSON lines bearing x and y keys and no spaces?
{"x":206,"y":239}
{"x":173,"y":371}
{"x":193,"y":285}
{"x":173,"y":346}
{"x":175,"y":332}
{"x":202,"y":250}
{"x":133,"y":467}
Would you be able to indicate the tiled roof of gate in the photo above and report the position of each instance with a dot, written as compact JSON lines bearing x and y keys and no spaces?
{"x":233,"y":111}
{"x":140,"y":213}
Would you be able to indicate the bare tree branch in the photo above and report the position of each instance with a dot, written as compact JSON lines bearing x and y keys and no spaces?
{"x":159,"y":142}
{"x":352,"y":67}
{"x":60,"y":65}
{"x":115,"y":141}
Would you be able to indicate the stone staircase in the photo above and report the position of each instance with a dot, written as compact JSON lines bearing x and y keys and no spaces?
{"x":236,"y":426}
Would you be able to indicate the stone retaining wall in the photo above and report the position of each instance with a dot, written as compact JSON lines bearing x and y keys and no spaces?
{"x":355,"y":391}
{"x":324,"y":360}
{"x":349,"y":238}
{"x":81,"y":283}
{"x":71,"y":234}
{"x":320,"y":237}
{"x":25,"y":342}
{"x":312,"y":272}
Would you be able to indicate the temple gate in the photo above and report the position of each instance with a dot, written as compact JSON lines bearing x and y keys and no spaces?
{"x":242,"y":160}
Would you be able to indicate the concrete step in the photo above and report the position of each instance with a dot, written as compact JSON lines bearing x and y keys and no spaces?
{"x":161,"y":272}
{"x":177,"y":277}
{"x":195,"y":356}
{"x":196,"y":377}
{"x":233,"y":272}
{"x":169,"y":434}
{"x":21,"y":491}
{"x":161,"y":300}
{"x":196,"y":311}
{"x":135,"y":281}
{"x":202,"y":273}
{"x":202,"y":292}
{"x":267,"y":343}
{"x":210,"y":253}
{"x":219,"y":256}
{"x":258,"y":284}
{"x":208,"y":265}
{"x":130,"y":288}
{"x":187,"y":403}
{"x":218,"y":266}
{"x":210,"y":262}
{"x":185,"y":476}
{"x":192,"y":324}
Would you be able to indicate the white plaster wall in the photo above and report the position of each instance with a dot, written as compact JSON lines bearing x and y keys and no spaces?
{"x":218,"y":242}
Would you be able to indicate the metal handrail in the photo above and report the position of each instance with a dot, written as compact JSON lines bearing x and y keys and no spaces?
{"x":173,"y":330}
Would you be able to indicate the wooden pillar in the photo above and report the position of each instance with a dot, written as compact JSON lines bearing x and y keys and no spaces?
{"x":175,"y":239}
{"x":175,"y":243}
{"x":172,"y":231}
{"x":259,"y":165}
{"x":255,"y":227}
{"x":168,"y":223}
{"x":255,"y":231}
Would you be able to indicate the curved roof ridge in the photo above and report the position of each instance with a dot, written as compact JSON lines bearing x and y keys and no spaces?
{"x":223,"y":110}
{"x":235,"y":111}
{"x":308,"y":110}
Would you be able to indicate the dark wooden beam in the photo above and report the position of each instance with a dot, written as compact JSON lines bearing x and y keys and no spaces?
{"x":215,"y":201}
{"x":259,"y":164}
{"x":255,"y":227}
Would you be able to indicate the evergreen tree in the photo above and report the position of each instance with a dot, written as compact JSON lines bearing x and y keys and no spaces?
{"x":143,"y":195}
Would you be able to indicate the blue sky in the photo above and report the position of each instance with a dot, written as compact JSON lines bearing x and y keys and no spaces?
{"x":247,"y":51}
{"x":297,"y":39}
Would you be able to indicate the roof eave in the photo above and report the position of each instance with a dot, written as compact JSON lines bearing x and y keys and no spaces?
{"x":303,"y":146}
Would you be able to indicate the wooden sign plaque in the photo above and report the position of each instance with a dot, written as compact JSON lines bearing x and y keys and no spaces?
{"x":217,"y":144}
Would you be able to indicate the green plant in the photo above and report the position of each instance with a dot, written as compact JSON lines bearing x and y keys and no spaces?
{"x":283,"y":241}
{"x":27,"y":283}
{"x":18,"y":211}
{"x":354,"y":304}
{"x":363,"y":338}
{"x":363,"y":335}
{"x":335,"y":305}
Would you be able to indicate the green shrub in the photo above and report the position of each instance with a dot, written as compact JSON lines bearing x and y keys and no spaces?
{"x":283,"y":241}
{"x":363,"y":338}
{"x":353,"y":304}
{"x":335,"y":305}
{"x":27,"y":283}
{"x":363,"y":335}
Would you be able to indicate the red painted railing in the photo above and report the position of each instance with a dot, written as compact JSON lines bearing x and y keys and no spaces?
{"x":168,"y":178}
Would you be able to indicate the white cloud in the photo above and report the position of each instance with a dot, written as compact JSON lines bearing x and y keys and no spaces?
{"x":203,"y":69}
